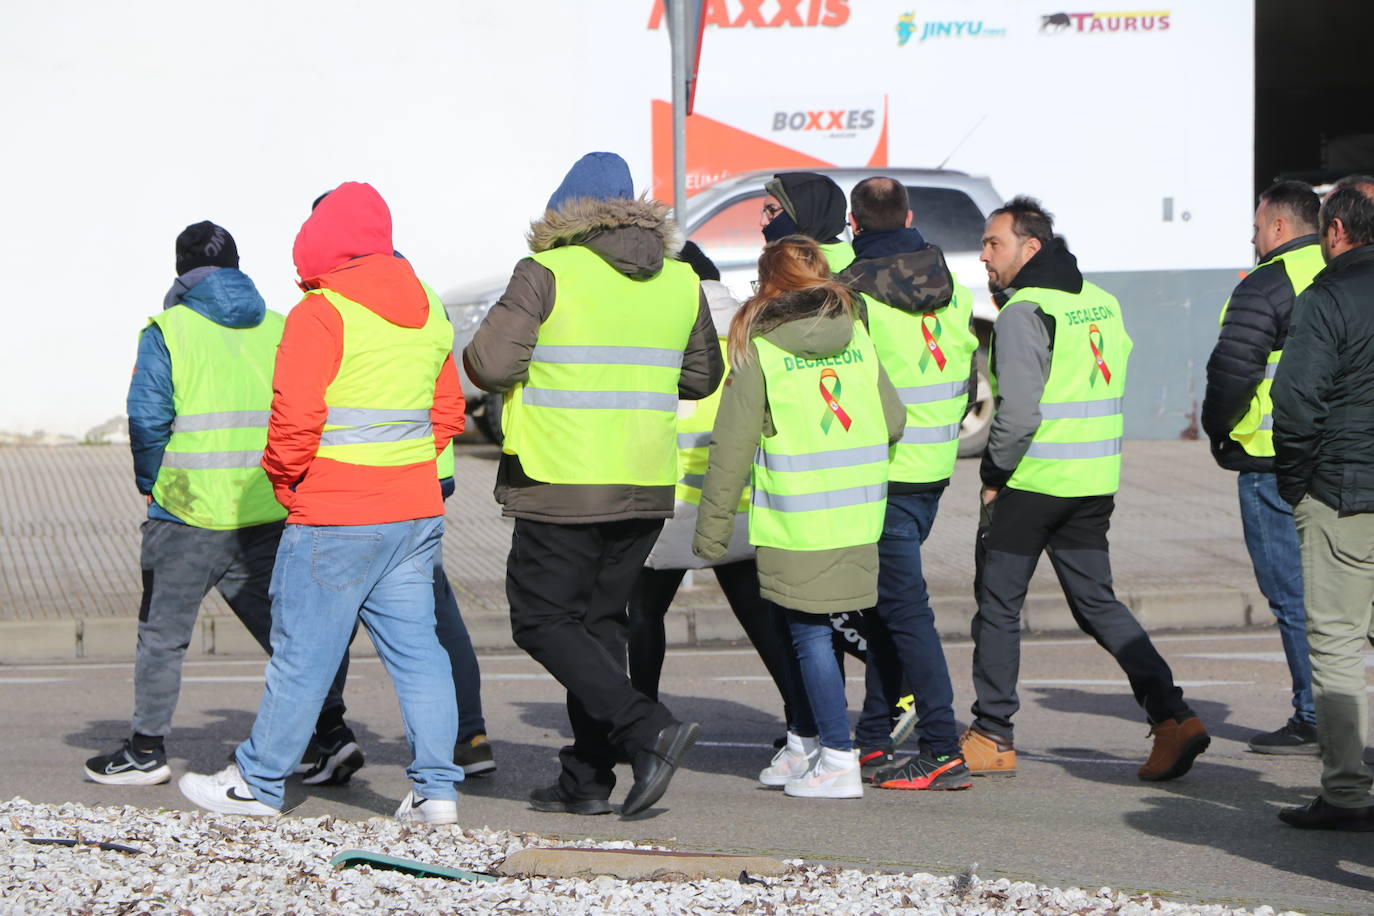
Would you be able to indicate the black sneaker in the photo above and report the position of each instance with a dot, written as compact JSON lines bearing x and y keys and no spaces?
{"x":127,"y":767}
{"x":875,"y":759}
{"x":331,"y":761}
{"x":1295,"y":738}
{"x":926,"y":772}
{"x":552,"y":799}
{"x":474,"y":756}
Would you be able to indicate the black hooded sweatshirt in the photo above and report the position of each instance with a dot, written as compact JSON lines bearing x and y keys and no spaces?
{"x":1022,"y":342}
{"x":813,"y":205}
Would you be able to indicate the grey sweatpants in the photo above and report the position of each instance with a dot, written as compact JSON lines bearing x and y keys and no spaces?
{"x":1338,"y":589}
{"x":181,"y":563}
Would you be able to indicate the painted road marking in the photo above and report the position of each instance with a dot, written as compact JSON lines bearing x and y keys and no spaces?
{"x":1257,"y":657}
{"x":1089,"y":682}
{"x":33,"y":680}
{"x":372,"y":660}
{"x":1044,"y":758}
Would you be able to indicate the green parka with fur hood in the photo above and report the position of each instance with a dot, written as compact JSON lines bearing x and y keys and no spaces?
{"x":634,"y":237}
{"x":818,"y":581}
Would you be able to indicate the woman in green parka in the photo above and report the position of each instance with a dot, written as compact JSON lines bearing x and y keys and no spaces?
{"x":806,"y":419}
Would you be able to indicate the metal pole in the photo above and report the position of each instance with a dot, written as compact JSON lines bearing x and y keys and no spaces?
{"x":678,"y":36}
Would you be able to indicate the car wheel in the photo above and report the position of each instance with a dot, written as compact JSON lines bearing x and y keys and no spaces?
{"x":488,"y":419}
{"x":973,"y":432}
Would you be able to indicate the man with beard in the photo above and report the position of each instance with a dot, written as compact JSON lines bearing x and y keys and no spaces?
{"x":1052,"y":465}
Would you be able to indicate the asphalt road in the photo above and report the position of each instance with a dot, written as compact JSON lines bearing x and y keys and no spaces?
{"x":1074,"y":815}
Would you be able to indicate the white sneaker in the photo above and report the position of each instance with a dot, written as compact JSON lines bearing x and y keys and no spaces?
{"x":224,"y":792}
{"x":834,"y":774}
{"x":793,"y":759}
{"x":417,"y":810}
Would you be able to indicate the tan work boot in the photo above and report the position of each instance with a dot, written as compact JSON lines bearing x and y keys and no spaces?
{"x":1177,"y":744}
{"x":986,"y":755}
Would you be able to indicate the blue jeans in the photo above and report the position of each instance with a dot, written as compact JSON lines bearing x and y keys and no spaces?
{"x":1272,"y":539}
{"x":902,"y":639}
{"x":821,"y":676}
{"x":326,"y":579}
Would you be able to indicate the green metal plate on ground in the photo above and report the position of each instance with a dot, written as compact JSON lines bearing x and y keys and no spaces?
{"x":352,"y":858}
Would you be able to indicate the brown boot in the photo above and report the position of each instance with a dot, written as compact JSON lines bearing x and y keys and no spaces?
{"x":986,"y":755}
{"x":1177,"y":744}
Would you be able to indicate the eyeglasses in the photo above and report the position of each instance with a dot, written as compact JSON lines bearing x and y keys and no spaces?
{"x":771,"y":211}
{"x":754,"y":286}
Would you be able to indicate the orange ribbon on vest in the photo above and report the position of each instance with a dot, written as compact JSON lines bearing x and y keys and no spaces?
{"x":1100,"y":363}
{"x":932,"y":348}
{"x":833,"y":409}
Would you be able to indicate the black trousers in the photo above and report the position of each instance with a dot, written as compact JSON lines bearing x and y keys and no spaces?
{"x":568,"y":586}
{"x":1013,"y":530}
{"x":653,"y":595}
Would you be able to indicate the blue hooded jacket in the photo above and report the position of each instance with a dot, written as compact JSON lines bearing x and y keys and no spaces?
{"x":227,"y":297}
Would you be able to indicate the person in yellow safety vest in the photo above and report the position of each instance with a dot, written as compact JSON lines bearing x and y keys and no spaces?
{"x":327,"y":759}
{"x":921,"y":322}
{"x":598,"y":335}
{"x":809,"y":204}
{"x":1237,"y":415}
{"x":197,"y":411}
{"x":672,"y":556}
{"x":366,"y":396}
{"x":806,"y":420}
{"x":1052,"y":465}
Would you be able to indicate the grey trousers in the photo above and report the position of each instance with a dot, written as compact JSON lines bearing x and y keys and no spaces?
{"x":1013,"y":530}
{"x":1338,"y":589}
{"x":181,"y":563}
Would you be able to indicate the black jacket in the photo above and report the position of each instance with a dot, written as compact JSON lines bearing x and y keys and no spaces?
{"x":1255,"y":325}
{"x":1324,"y":391}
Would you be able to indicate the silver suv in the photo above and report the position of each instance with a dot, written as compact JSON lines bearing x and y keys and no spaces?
{"x":950,"y":208}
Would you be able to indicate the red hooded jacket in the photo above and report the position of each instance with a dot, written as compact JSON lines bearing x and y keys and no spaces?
{"x":346,"y":246}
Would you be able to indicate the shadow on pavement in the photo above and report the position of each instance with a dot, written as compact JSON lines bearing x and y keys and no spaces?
{"x":723,"y":722}
{"x":1123,"y":706}
{"x":1234,"y":810}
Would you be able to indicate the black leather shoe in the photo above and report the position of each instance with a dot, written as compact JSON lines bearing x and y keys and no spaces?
{"x":654,"y":766}
{"x":1319,"y":815}
{"x":552,"y":799}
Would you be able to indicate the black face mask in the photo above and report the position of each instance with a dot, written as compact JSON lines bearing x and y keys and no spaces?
{"x":782,"y":226}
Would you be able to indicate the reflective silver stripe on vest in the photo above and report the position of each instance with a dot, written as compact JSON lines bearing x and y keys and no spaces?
{"x":1266,"y":422}
{"x":693,"y":440}
{"x":609,"y":356}
{"x":815,"y":502}
{"x":822,"y":461}
{"x":928,"y":394}
{"x":1061,"y":450}
{"x":224,"y":419}
{"x":601,"y":400}
{"x":693,"y":480}
{"x":376,"y":432}
{"x":929,"y":435}
{"x":1079,"y":410}
{"x":1271,"y":370}
{"x":365,"y":416}
{"x":211,"y":461}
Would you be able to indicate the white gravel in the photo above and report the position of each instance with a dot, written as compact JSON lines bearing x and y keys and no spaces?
{"x":197,"y":863}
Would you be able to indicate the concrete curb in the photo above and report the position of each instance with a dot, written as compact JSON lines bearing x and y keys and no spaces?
{"x":688,"y":625}
{"x":637,"y":864}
